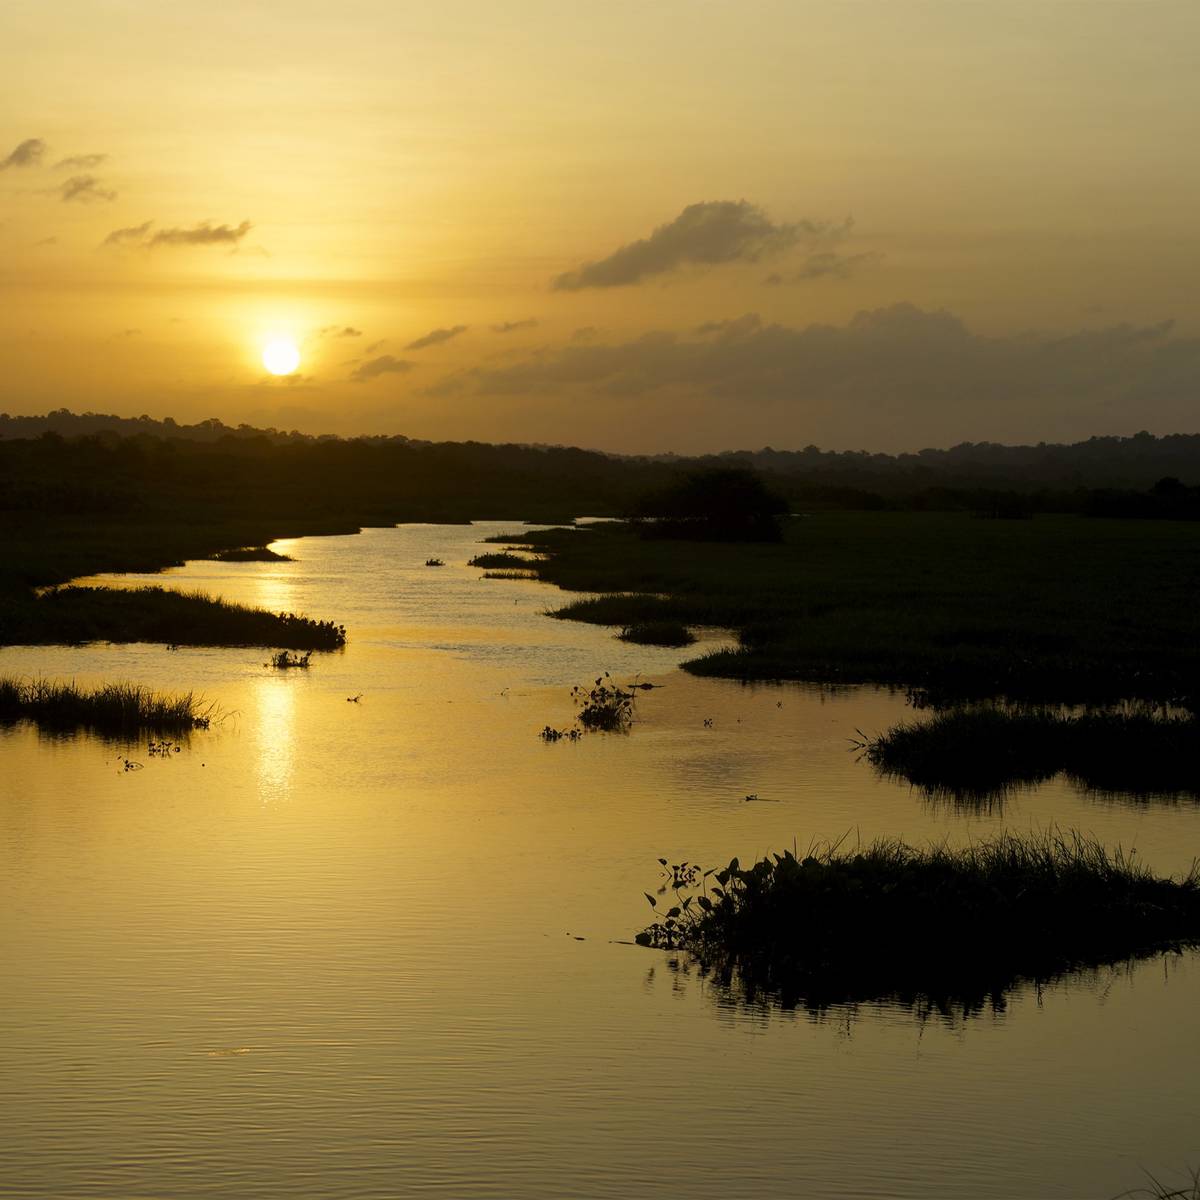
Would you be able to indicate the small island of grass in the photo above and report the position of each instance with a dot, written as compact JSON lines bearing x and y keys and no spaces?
{"x":951,"y":929}
{"x":111,"y":708}
{"x":250,"y":554}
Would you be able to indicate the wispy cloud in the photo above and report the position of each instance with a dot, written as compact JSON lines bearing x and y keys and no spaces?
{"x":385,"y":364}
{"x":706,"y":234}
{"x":80,"y":162}
{"x":29,"y":153}
{"x":84,"y":189}
{"x":513,"y":326}
{"x":435,"y":337}
{"x":203,"y":234}
{"x":339,"y":331}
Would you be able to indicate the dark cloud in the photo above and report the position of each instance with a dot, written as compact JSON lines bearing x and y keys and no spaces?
{"x":435,"y":337}
{"x":709,"y":233}
{"x":584,"y":333}
{"x":733,"y":327}
{"x":339,"y":331}
{"x":386,"y":364}
{"x":513,"y":326}
{"x":28,"y":154}
{"x":897,"y":377}
{"x":81,"y":162}
{"x":827,"y":264}
{"x":131,"y":235}
{"x":84,"y":189}
{"x":203,"y":234}
{"x":375,"y":346}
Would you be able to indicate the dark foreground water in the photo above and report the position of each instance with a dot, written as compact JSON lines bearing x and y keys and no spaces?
{"x":371,"y":949}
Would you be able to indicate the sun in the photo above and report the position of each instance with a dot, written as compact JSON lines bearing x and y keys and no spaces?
{"x":280,"y":356}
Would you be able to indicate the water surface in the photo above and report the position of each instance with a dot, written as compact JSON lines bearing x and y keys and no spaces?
{"x":373,"y":949}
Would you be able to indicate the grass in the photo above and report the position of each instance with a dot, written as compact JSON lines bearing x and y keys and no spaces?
{"x":1158,"y":1190}
{"x":113,"y":708}
{"x":501,"y":560}
{"x":657,"y":633}
{"x":1055,"y":609}
{"x":605,"y":707}
{"x":154,"y":614}
{"x":526,"y":575}
{"x":946,"y":928}
{"x":251,"y":554}
{"x":985,"y":752}
{"x":284,"y":660}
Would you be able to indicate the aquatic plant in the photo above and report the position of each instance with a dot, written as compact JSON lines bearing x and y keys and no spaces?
{"x":951,"y":928}
{"x":604,"y":705}
{"x":508,"y":575}
{"x":550,"y":734}
{"x":1158,"y":1190}
{"x":284,"y":660}
{"x":435,"y":562}
{"x":118,"y":708}
{"x":501,"y":559}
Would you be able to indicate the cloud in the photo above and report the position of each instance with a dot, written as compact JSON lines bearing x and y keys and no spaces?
{"x":84,"y":189}
{"x":827,"y":264}
{"x":339,"y":331}
{"x":129,"y":236}
{"x":386,"y":364}
{"x":898,"y":377}
{"x":435,"y":337}
{"x":709,"y":233}
{"x":584,"y":333}
{"x":82,"y":162}
{"x":203,"y":234}
{"x":28,"y":154}
{"x":47,"y":241}
{"x":513,"y":326}
{"x":375,"y":346}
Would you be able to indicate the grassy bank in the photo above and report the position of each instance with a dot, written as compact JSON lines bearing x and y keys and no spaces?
{"x":251,"y":554}
{"x":1058,"y":608}
{"x":951,"y":928}
{"x":153,"y":614}
{"x":112,"y":708}
{"x":983,"y":752}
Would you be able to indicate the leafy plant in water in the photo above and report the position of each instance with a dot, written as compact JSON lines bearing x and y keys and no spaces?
{"x":285,"y":659}
{"x":604,"y":705}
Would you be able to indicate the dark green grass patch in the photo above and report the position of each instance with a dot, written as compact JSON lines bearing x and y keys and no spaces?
{"x":111,"y":708}
{"x":986,"y":752}
{"x":1055,"y":609}
{"x":933,"y":927}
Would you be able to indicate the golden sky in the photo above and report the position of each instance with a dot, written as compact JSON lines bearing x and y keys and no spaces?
{"x":637,"y":226}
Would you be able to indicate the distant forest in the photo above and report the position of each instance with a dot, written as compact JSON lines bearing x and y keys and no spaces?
{"x":66,"y":463}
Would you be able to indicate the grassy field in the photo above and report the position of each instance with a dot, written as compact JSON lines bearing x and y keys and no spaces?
{"x":1057,"y":608}
{"x":953,"y":929}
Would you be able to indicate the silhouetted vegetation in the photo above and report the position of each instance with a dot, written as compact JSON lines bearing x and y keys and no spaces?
{"x":284,"y":660}
{"x":154,"y":614}
{"x":983,"y":752}
{"x":952,"y":929}
{"x":501,"y":560}
{"x":716,"y":504}
{"x":657,"y":633}
{"x":112,"y":708}
{"x":251,"y":554}
{"x":435,"y":562}
{"x":1156,"y":1189}
{"x":1056,"y":609}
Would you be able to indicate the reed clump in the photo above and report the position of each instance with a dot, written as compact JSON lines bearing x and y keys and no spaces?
{"x":951,"y":928}
{"x":284,"y":660}
{"x":976,"y":752}
{"x":251,"y":554}
{"x":501,"y":560}
{"x":115,"y":708}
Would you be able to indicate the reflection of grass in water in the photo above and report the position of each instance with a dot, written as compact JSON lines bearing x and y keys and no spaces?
{"x":115,"y":708}
{"x":935,"y":927}
{"x":981,"y":753}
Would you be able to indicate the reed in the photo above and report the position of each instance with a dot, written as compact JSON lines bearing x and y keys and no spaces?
{"x":117,"y":708}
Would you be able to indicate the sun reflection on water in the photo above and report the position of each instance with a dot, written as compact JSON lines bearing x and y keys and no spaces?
{"x":275,"y":703}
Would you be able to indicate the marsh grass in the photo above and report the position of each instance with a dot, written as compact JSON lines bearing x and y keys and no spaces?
{"x":952,"y":929}
{"x":155,"y":614}
{"x":509,"y":575}
{"x":502,"y":559}
{"x":251,"y":554}
{"x":657,"y":633}
{"x":1156,"y":1189}
{"x":981,"y":752}
{"x":112,"y":708}
{"x":285,"y":660}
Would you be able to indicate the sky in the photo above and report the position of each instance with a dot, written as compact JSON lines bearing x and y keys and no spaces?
{"x":685,"y":225}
